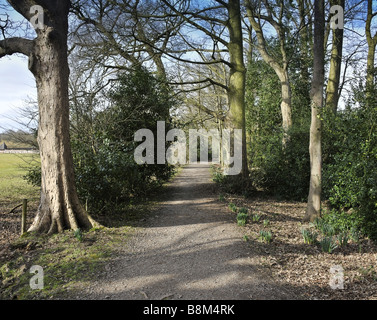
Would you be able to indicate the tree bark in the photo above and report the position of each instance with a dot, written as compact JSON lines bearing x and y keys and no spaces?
{"x":313,"y":209}
{"x":372,"y":42}
{"x":237,"y":78}
{"x":280,"y":70}
{"x":59,"y":207}
{"x":332,"y":90}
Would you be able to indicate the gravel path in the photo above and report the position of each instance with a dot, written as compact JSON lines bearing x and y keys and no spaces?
{"x":191,"y":249}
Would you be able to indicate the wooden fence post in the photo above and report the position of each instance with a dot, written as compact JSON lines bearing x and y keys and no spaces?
{"x":23,"y":217}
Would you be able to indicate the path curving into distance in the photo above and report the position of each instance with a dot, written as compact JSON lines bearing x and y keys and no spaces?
{"x":191,"y":249}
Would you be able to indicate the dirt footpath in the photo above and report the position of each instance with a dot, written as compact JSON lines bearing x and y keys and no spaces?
{"x":190,"y":249}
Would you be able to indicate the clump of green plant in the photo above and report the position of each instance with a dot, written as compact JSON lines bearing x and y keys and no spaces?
{"x":242,"y":218}
{"x":355,"y":235}
{"x":317,"y":223}
{"x":343,"y":238}
{"x":327,"y":230}
{"x":243,"y":210}
{"x":78,"y":235}
{"x":232,"y":207}
{"x":328,"y":244}
{"x":245,"y":238}
{"x":256,"y":217}
{"x":221,"y":198}
{"x":310,"y":237}
{"x":266,"y":223}
{"x":265,"y":236}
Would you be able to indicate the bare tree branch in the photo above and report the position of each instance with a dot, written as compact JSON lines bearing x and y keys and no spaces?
{"x":16,"y":45}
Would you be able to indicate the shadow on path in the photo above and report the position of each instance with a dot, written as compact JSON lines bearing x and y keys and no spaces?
{"x":191,"y":249}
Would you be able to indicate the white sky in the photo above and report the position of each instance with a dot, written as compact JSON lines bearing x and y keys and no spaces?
{"x":17,"y":84}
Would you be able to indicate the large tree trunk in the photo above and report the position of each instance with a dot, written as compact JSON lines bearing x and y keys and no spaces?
{"x":237,"y":78}
{"x":332,"y":90}
{"x":60,"y":207}
{"x":313,"y":209}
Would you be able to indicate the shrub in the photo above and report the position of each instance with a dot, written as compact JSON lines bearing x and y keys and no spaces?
{"x":350,"y":177}
{"x":103,"y":144}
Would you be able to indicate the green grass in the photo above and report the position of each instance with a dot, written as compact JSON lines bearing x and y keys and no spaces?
{"x":69,"y":259}
{"x":13,"y":188}
{"x":66,"y":262}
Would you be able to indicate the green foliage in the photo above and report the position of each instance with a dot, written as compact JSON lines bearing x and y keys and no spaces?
{"x":266,"y":223}
{"x":355,"y":235}
{"x":328,"y":244}
{"x":284,"y":171}
{"x":232,"y":207}
{"x":343,"y":238}
{"x":310,"y":237}
{"x":256,"y":217}
{"x":33,"y":175}
{"x":327,"y":230}
{"x":265,"y":236}
{"x":281,"y":171}
{"x":103,"y":143}
{"x":339,"y":220}
{"x":350,"y":161}
{"x":243,"y":210}
{"x":78,"y":235}
{"x":242,"y":218}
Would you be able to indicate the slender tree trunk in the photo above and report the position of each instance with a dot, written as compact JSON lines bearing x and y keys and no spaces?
{"x":370,"y":66}
{"x":304,"y":42}
{"x":286,"y":103}
{"x":281,"y":71}
{"x":315,"y":149}
{"x":332,"y":90}
{"x":372,"y":42}
{"x":237,"y":77}
{"x":60,"y":207}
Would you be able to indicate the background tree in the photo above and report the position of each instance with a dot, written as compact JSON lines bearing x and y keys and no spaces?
{"x":221,"y":23}
{"x":333,"y":85}
{"x":315,"y":147}
{"x":372,"y":42}
{"x":260,"y":12}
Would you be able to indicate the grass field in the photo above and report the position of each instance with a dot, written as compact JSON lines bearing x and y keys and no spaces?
{"x":13,"y":188}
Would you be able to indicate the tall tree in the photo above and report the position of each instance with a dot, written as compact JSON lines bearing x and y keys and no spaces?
{"x":313,"y":209}
{"x":119,"y":34}
{"x":372,"y":43}
{"x":213,"y":22}
{"x":59,"y":207}
{"x":275,"y":16}
{"x":332,"y":90}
